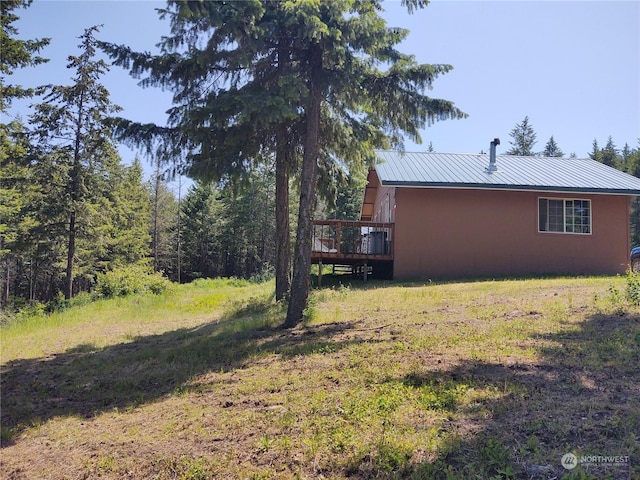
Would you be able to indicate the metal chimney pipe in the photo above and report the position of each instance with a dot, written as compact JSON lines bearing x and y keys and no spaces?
{"x":492,"y":155}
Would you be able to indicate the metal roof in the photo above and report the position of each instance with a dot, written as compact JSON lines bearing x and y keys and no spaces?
{"x":445,"y":170}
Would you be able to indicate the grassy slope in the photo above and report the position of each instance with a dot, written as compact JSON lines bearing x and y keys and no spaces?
{"x":461,"y":380}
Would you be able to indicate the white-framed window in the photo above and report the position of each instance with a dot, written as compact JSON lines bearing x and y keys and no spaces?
{"x":564,"y":215}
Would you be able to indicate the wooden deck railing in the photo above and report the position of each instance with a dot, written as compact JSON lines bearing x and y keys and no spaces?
{"x":348,"y":240}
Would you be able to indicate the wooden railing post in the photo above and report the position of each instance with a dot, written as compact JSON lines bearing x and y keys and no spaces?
{"x":380,"y":240}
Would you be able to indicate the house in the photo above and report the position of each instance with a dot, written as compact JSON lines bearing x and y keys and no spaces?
{"x":460,"y":215}
{"x":468,"y":215}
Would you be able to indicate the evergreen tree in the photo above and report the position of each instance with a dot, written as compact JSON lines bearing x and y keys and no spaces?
{"x":203,"y":217}
{"x":340,"y":67}
{"x":41,"y":244}
{"x":626,"y":157}
{"x":63,"y":166}
{"x":76,"y":117}
{"x":17,"y":192}
{"x":223,"y":233}
{"x":349,"y":200}
{"x":551,"y":149}
{"x":596,"y":153}
{"x":127,"y":208}
{"x":15,"y":185}
{"x":16,"y":53}
{"x":249,"y":233}
{"x":609,"y":154}
{"x":632,"y":162}
{"x":524,"y":138}
{"x":267,"y":101}
{"x":300,"y":79}
{"x":163,"y":227}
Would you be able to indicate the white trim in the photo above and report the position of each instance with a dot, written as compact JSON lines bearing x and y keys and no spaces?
{"x":564,"y":219}
{"x":512,"y":189}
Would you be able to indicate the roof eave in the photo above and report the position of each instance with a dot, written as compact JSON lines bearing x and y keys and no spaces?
{"x":516,"y":188}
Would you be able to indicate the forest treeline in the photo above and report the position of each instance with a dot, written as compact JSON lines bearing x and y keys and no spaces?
{"x":71,"y":210}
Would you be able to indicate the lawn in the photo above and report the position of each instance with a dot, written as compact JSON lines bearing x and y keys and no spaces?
{"x":482,"y":379}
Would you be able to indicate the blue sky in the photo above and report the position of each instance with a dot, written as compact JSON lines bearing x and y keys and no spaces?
{"x":572,"y":67}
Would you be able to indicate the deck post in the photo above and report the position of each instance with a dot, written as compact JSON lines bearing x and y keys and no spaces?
{"x":366,"y":270}
{"x":320,"y":273}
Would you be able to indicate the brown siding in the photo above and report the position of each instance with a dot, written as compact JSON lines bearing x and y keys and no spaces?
{"x":384,"y":209}
{"x":375,"y":206}
{"x":455,"y":233}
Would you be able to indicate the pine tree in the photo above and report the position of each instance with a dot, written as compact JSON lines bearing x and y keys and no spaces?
{"x":17,"y":192}
{"x":609,"y":154}
{"x":203,"y":217}
{"x":15,"y":185}
{"x":524,"y":138}
{"x":127,"y":208}
{"x":267,"y":102}
{"x":551,"y":149}
{"x":247,"y":233}
{"x":298,"y":79}
{"x":76,"y":116}
{"x":16,"y":53}
{"x":163,"y":226}
{"x":632,"y":163}
{"x":626,"y":157}
{"x":339,"y":63}
{"x":595,"y":154}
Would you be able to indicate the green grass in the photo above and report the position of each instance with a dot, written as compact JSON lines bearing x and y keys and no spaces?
{"x":483,"y":379}
{"x":108,"y":322}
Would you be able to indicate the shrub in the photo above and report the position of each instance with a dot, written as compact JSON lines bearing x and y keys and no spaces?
{"x":35,"y":309}
{"x":130,"y":280}
{"x":57,"y":304}
{"x":311,"y":310}
{"x":633,"y":288}
{"x":266,"y":273}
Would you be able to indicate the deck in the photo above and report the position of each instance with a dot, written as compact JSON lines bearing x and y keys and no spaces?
{"x":367,"y":247}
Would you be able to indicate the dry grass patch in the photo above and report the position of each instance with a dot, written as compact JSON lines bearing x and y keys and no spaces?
{"x":466,"y":380}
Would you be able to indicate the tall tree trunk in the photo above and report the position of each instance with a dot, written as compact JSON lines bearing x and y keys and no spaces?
{"x":155,"y":219}
{"x":75,"y":195}
{"x":4,"y":297}
{"x":283,"y":237}
{"x":71,"y":252}
{"x":179,"y":237}
{"x":283,"y":162}
{"x":308,"y":176}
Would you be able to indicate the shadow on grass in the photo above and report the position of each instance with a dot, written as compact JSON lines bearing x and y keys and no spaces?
{"x":497,"y":419}
{"x":85,"y":381}
{"x":582,"y":397}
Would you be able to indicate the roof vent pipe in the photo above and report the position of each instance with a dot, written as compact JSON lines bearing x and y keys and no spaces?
{"x":492,"y":156}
